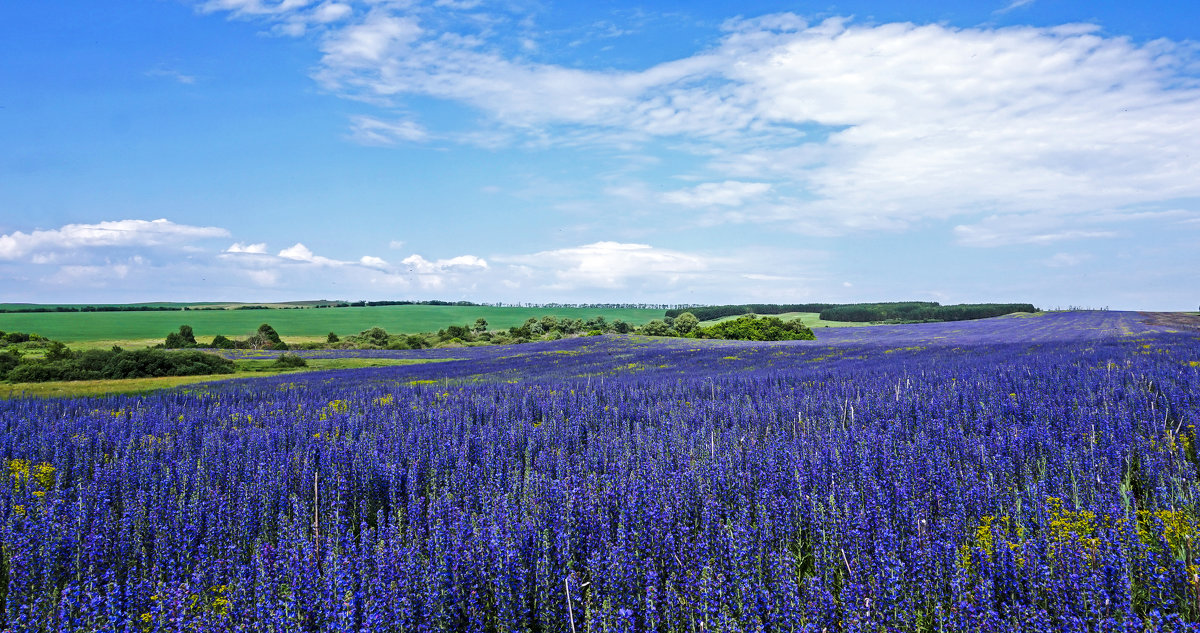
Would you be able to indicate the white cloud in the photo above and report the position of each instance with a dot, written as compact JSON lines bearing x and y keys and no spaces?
{"x":396,"y":244}
{"x":300,"y":253}
{"x":379,"y":40}
{"x":873,"y":125}
{"x":848,"y":126}
{"x":373,"y":262}
{"x":371,"y":131}
{"x":612,"y":265}
{"x":420,"y":265}
{"x":119,"y":233}
{"x":332,"y":12}
{"x":254,"y":7}
{"x":238,"y":247}
{"x":730,"y":193}
{"x":439,"y":273}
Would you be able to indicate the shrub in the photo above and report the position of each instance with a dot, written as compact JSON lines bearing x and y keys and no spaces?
{"x":8,"y":360}
{"x":290,"y":361}
{"x":752,"y":328}
{"x":149,"y":363}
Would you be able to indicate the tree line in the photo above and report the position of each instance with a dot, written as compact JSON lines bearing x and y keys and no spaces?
{"x":58,"y":362}
{"x":891,"y":312}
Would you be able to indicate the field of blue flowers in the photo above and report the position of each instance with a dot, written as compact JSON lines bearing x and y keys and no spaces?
{"x":1031,"y":473}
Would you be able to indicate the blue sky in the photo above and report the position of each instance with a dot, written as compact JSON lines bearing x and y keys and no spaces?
{"x":674,"y":152}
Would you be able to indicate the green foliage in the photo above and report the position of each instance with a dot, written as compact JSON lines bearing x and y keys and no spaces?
{"x":290,"y":361}
{"x":147,"y":363}
{"x":58,"y":351}
{"x":43,"y":371}
{"x":269,"y":333}
{"x":8,"y":360}
{"x":182,"y":339}
{"x":220,"y":341}
{"x":657,"y":327}
{"x":753,"y":328}
{"x":13,"y":338}
{"x":685,"y":323}
{"x":100,"y":364}
{"x":332,"y":338}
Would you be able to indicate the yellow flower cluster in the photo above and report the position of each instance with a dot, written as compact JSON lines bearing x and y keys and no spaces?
{"x":1179,"y":529}
{"x":23,"y":471}
{"x":336,"y":406}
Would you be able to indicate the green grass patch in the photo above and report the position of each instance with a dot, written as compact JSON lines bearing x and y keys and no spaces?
{"x":811,"y":319}
{"x":294,"y":325}
{"x":245,"y":369}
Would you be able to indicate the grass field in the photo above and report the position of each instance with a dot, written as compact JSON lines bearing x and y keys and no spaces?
{"x":140,"y":328}
{"x":811,"y":319}
{"x":245,"y":369}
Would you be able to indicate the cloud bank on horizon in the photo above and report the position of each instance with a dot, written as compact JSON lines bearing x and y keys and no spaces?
{"x":761,"y":166}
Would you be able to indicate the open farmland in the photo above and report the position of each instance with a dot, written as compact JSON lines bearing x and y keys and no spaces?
{"x":1031,"y":473}
{"x":309,"y":323}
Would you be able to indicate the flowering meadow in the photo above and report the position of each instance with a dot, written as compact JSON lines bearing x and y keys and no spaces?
{"x":1025,"y":474}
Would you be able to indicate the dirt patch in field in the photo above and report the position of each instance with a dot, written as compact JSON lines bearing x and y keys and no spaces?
{"x":1176,"y":320}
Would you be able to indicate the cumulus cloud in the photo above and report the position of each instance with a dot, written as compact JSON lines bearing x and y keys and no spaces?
{"x":301,"y":253}
{"x":420,"y":265}
{"x":373,"y":262}
{"x":238,"y":247}
{"x":611,"y":265}
{"x":119,"y":233}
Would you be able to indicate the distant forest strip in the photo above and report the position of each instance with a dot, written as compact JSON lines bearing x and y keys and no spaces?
{"x":895,"y":312}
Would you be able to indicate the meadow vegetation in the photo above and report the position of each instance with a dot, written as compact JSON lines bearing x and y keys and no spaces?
{"x":1008,"y":474}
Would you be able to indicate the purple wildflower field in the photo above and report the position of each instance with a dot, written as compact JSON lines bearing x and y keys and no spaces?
{"x":1028,"y":474}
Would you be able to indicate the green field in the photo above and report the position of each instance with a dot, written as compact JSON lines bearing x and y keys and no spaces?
{"x":133,"y":328}
{"x":245,"y":368}
{"x":811,"y":319}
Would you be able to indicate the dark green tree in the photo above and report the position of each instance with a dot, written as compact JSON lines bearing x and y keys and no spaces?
{"x":58,"y":351}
